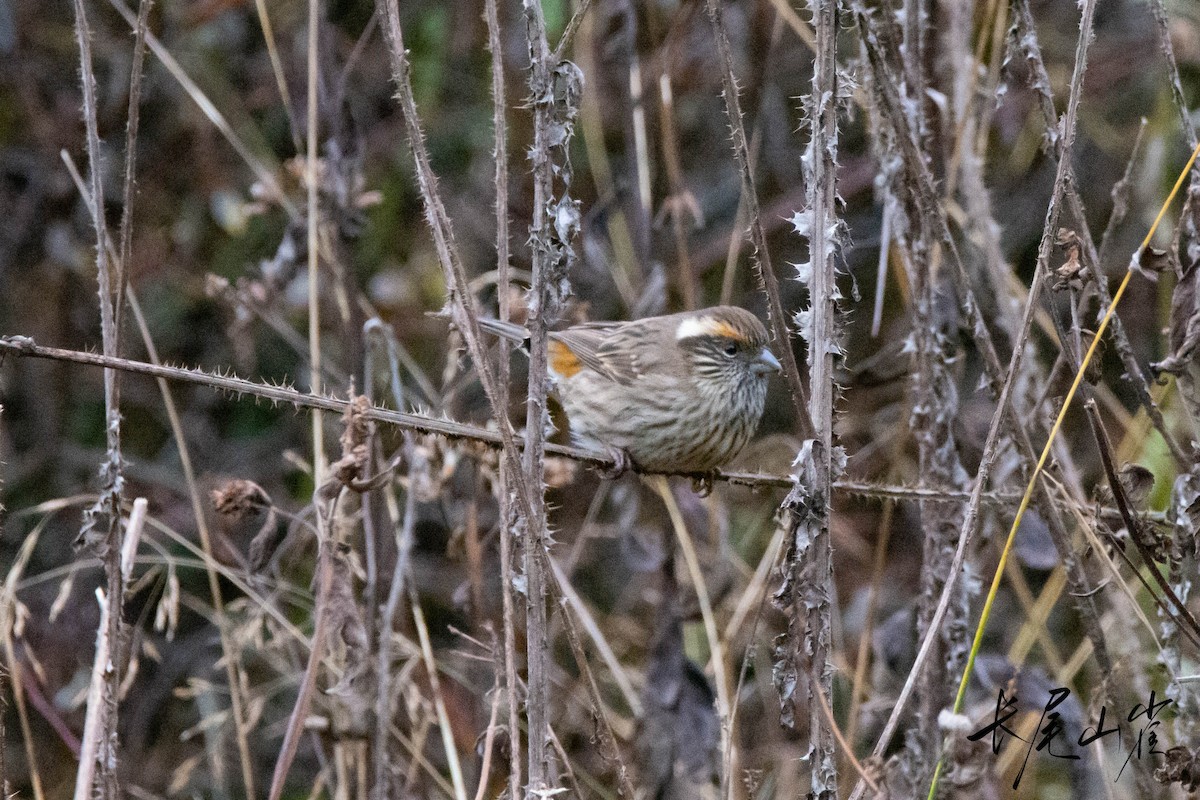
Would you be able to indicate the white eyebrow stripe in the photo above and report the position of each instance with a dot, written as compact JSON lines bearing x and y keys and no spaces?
{"x":692,"y":327}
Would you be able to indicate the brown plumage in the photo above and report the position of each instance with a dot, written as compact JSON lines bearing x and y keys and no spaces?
{"x":677,"y":393}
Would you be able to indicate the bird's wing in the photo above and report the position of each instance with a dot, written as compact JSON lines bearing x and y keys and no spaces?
{"x":579,"y":348}
{"x":609,"y":348}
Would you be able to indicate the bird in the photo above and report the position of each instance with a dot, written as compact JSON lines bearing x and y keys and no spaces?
{"x":676,"y":393}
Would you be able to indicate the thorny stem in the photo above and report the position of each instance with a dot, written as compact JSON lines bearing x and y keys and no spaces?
{"x":463,"y":308}
{"x":934,"y":400}
{"x":1162,"y":22}
{"x":1025,"y":29}
{"x":541,"y":776}
{"x":462,"y":300}
{"x":811,"y":554}
{"x":507,"y":534}
{"x":231,"y":664}
{"x":935,"y":403}
{"x":131,"y":136}
{"x":109,"y":505}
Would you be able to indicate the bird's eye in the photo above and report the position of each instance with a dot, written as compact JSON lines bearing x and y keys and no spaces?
{"x":731,"y":349}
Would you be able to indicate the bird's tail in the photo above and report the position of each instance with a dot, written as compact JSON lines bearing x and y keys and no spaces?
{"x":506,"y":330}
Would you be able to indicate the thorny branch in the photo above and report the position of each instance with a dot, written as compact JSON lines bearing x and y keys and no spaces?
{"x":526,"y":492}
{"x":508,"y":532}
{"x":940,"y":625}
{"x":803,"y":653}
{"x":1059,"y":142}
{"x":462,"y":301}
{"x":101,"y":531}
{"x":935,"y":396}
{"x":24,"y":346}
{"x":555,"y":88}
{"x":484,"y":437}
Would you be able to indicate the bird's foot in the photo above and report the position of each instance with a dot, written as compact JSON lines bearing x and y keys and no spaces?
{"x":702,"y":484}
{"x":622,"y":463}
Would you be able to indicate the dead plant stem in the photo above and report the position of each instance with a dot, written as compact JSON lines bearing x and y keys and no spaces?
{"x":324,"y":582}
{"x":221,"y":620}
{"x":404,"y":527}
{"x":970,"y":519}
{"x":312,"y":224}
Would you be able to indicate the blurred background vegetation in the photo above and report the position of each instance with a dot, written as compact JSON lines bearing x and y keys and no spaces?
{"x":662,"y":230}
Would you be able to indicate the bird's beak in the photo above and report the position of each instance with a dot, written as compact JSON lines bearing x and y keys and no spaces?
{"x":766,"y":363}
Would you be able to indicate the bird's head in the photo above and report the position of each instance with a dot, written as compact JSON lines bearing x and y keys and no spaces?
{"x":726,"y":343}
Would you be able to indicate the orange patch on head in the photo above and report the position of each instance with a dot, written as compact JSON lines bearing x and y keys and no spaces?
{"x":563,"y":362}
{"x":719,"y":328}
{"x":693,"y":326}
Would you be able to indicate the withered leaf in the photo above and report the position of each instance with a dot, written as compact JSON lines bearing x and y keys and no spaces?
{"x":1072,"y":273}
{"x":1152,"y":262}
{"x":353,"y":692}
{"x":1181,"y":765}
{"x":1138,"y":481}
{"x":239,"y":499}
{"x":1184,"y":329}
